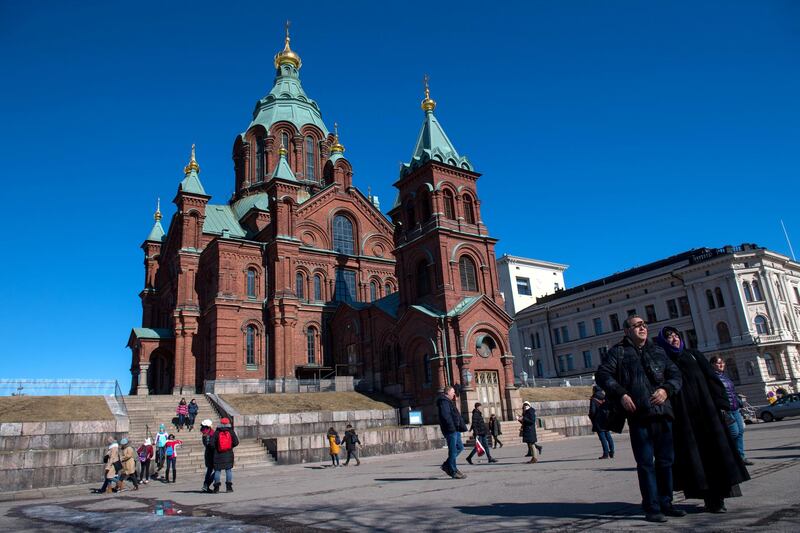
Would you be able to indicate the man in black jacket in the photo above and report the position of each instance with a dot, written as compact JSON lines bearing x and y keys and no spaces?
{"x":640,"y":377}
{"x":452,"y":425}
{"x":480,"y":431}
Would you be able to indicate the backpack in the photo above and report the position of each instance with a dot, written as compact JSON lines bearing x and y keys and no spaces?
{"x":224,"y":441}
{"x":170,"y":451}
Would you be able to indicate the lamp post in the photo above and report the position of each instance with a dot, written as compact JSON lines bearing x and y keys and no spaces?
{"x":529,"y":353}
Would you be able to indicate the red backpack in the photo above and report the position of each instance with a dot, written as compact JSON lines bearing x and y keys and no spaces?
{"x":224,"y":441}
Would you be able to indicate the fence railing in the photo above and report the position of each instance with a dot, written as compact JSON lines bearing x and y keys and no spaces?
{"x":64,"y":387}
{"x":582,"y":380}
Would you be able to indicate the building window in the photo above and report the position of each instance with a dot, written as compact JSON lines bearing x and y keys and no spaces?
{"x":757,"y":291}
{"x":733,"y":372}
{"x":423,"y":279}
{"x":796,"y":294}
{"x":691,"y":338}
{"x":251,"y":283}
{"x":250,"y":345}
{"x":598,"y":326}
{"x":565,"y":333}
{"x":614,"y":319}
{"x":539,"y":368}
{"x":311,"y":345}
{"x":723,"y":334}
{"x":603,"y":352}
{"x":561,"y":367}
{"x":373,"y":291}
{"x":299,"y":281}
{"x":411,"y":216}
{"x":317,"y":287}
{"x":683,"y":304}
{"x":762,"y":328}
{"x":570,"y":362}
{"x":750,"y":368}
{"x":311,"y":172}
{"x":538,"y":340}
{"x":650,"y":311}
{"x":748,"y":295}
{"x":469,"y":210}
{"x":285,"y":141}
{"x":710,"y":299}
{"x":557,"y":335}
{"x":466,"y":268}
{"x":342,"y":235}
{"x":582,"y":330}
{"x":524,"y":286}
{"x":345,"y":289}
{"x":720,"y":299}
{"x":449,"y":205}
{"x":770,"y":362}
{"x":672,"y":308}
{"x":259,"y":159}
{"x":587,"y":359}
{"x":387,"y":289}
{"x":630,"y":312}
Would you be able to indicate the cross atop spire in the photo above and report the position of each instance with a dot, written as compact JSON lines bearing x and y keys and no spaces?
{"x":157,"y":215}
{"x":192,"y":166}
{"x":337,"y":147}
{"x":287,"y":55}
{"x":428,"y":104}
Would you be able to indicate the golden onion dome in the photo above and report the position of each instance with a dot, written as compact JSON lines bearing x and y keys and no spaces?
{"x":192,"y":165}
{"x":337,"y":146}
{"x":428,"y":104}
{"x":157,"y":216}
{"x":287,"y":55}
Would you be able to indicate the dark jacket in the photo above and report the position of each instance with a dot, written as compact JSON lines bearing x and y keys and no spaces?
{"x":223,"y":460}
{"x":208,"y":454}
{"x":529,"y":426}
{"x":638,"y":372}
{"x":193,"y":408}
{"x":351,"y":440}
{"x":598,"y":412}
{"x":494,"y":426}
{"x":450,"y":419}
{"x":478,"y":424}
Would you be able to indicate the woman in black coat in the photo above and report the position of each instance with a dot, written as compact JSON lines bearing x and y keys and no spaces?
{"x":598,"y":414}
{"x":528,"y":430}
{"x":707,"y":464}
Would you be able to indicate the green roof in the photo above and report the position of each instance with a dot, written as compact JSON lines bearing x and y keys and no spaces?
{"x":287,"y":102}
{"x":220,"y":218}
{"x":157,"y":233}
{"x":433,"y":144}
{"x":463,"y":305}
{"x":258,"y":201}
{"x":153,"y":333}
{"x":282,"y":170}
{"x":191,"y":184}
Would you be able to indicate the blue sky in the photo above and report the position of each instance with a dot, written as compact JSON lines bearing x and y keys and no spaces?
{"x":609,"y":134}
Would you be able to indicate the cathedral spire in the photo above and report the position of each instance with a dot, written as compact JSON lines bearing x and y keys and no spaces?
{"x":337,"y":146}
{"x":191,"y":181}
{"x":287,"y":55}
{"x":428,"y":104}
{"x":282,"y":169}
{"x":157,"y":233}
{"x":157,"y":215}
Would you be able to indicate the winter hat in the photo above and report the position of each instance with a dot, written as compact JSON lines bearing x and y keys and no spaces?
{"x":526,"y":403}
{"x":147,"y":441}
{"x":161,"y":427}
{"x":123,"y":442}
{"x":225,"y":421}
{"x":207,"y":423}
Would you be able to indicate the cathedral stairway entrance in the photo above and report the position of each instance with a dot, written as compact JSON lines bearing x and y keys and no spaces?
{"x":146,"y":413}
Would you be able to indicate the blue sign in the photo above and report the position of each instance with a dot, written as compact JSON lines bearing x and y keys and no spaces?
{"x":415,"y":418}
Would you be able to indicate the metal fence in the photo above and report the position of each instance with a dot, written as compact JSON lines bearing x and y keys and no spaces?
{"x":64,"y":387}
{"x":582,"y":380}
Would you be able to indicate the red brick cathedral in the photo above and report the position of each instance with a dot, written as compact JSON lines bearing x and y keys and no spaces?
{"x":301,"y":276}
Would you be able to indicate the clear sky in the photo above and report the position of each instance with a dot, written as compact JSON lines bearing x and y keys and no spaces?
{"x":609,"y":134}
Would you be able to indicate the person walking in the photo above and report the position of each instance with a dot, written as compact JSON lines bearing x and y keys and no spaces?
{"x":224,"y":441}
{"x":479,"y":431}
{"x":207,"y":431}
{"x":192,"y":409}
{"x":145,"y":453}
{"x":128,"y":460}
{"x":528,"y":431}
{"x":451,"y":424}
{"x":496,"y":430}
{"x":707,"y":465}
{"x":183,"y":413}
{"x":735,"y":423}
{"x":333,"y":446}
{"x":598,"y":414}
{"x":639,"y":377}
{"x":351,"y":444}
{"x":111,"y":466}
{"x":171,"y":453}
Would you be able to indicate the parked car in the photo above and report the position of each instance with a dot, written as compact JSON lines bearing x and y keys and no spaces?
{"x":788,"y":405}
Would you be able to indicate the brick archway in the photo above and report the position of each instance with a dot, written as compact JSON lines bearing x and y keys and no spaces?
{"x":161,"y":374}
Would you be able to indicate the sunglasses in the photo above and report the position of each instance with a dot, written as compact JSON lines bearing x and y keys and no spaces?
{"x":639,"y":325}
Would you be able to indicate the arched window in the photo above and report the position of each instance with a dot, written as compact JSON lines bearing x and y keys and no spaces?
{"x":426,"y":361}
{"x":539,"y":368}
{"x":373,"y":291}
{"x":757,"y":291}
{"x":299,"y":281}
{"x":469,"y":210}
{"x":251,"y":283}
{"x":317,"y":287}
{"x":732,"y":370}
{"x":762,"y":328}
{"x":449,"y":205}
{"x":387,"y":289}
{"x":311,"y":345}
{"x":723,"y":334}
{"x":425,"y":205}
{"x":259,"y":159}
{"x":285,"y":141}
{"x":250,"y":344}
{"x":469,"y":281}
{"x":310,"y":159}
{"x":720,"y":299}
{"x":411,"y":216}
{"x":423,"y":280}
{"x":770,"y":363}
{"x":748,"y":295}
{"x":342,"y":235}
{"x":710,"y":299}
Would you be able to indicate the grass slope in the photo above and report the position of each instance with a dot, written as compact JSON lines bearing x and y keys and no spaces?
{"x":53,"y":408}
{"x":262,"y":404}
{"x":554,"y":394}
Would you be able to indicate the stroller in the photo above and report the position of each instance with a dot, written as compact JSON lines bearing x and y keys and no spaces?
{"x":749,"y":413}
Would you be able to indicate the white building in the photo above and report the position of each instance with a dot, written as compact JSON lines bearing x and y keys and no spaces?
{"x":742,"y":303}
{"x":522,"y":281}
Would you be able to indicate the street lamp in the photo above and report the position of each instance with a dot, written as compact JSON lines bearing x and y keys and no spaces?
{"x":529,"y":351}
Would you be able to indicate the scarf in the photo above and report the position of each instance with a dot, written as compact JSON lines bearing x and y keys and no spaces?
{"x":662,"y":341}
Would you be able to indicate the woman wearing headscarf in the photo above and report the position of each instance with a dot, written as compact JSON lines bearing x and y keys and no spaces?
{"x":528,"y":430}
{"x":707,"y":465}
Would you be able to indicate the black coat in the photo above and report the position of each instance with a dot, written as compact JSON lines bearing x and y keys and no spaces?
{"x":638,"y":373}
{"x":529,"y":426}
{"x":494,"y":426}
{"x":706,"y":459}
{"x":351,"y":440}
{"x":478,"y":424}
{"x":598,"y":413}
{"x":223,"y":460}
{"x":450,"y":419}
{"x":208,"y":454}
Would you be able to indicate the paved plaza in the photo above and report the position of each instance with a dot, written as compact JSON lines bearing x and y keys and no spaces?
{"x":569,"y":490}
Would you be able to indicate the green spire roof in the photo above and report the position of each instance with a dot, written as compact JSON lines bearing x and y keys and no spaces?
{"x":157,"y":233}
{"x":191,"y":182}
{"x":282,"y":170}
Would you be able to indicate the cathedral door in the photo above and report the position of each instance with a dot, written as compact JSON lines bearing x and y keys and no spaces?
{"x":161,"y":375}
{"x":487,"y":385}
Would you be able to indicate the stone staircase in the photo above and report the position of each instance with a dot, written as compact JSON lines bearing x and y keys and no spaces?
{"x":510,"y":435}
{"x":146,"y":413}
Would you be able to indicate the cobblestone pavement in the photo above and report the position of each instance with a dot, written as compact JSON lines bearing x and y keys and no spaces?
{"x":569,"y":490}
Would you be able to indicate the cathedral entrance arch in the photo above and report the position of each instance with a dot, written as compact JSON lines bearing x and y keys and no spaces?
{"x":487,"y":384}
{"x":161,"y":375}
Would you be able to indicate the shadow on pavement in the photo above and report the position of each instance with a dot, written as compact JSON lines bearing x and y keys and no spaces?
{"x":412,"y":479}
{"x":555,"y":509}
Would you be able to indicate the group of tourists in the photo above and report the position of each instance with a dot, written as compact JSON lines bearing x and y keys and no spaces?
{"x":186,"y":414}
{"x":683,"y":416}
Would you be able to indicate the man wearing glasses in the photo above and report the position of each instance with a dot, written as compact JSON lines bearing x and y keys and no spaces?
{"x":639,"y":376}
